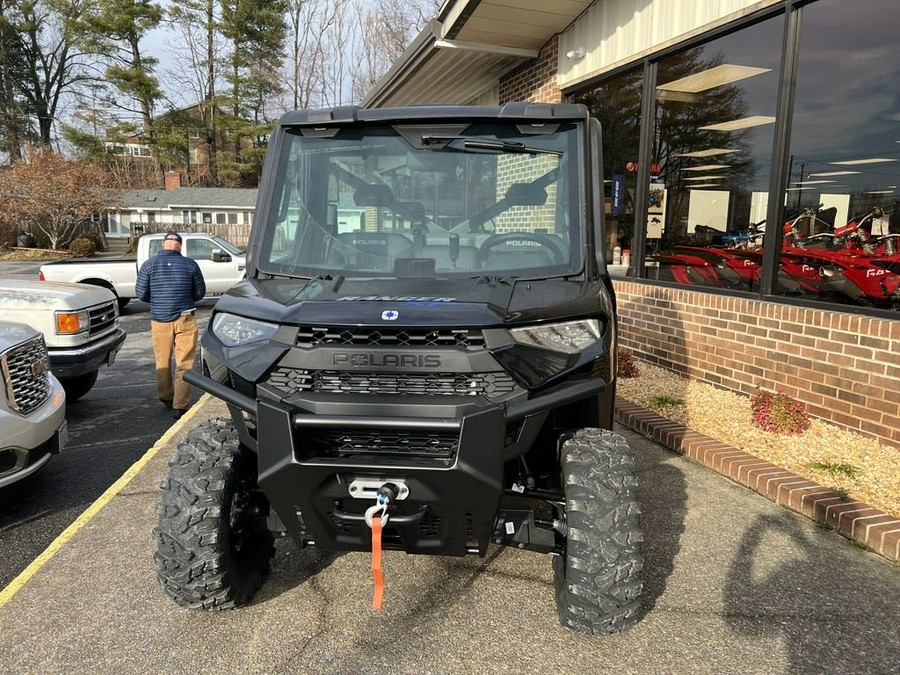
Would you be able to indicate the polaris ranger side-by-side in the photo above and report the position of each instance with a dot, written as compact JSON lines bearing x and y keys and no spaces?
{"x":422,"y":357}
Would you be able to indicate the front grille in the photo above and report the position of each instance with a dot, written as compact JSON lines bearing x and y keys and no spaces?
{"x":430,"y":525}
{"x":26,"y":369}
{"x":315,"y":336}
{"x":103,"y":317}
{"x":383,"y":443}
{"x":491,"y":385}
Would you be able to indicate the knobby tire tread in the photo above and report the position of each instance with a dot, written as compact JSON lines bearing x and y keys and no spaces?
{"x":598,"y":585}
{"x":194,"y":558}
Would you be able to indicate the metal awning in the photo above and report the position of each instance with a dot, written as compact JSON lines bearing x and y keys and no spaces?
{"x":468,"y":47}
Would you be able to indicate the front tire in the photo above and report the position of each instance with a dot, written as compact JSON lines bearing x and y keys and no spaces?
{"x":78,"y":386}
{"x":597,"y":579}
{"x":213,"y":548}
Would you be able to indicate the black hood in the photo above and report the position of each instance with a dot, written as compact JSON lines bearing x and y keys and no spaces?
{"x":480,"y":301}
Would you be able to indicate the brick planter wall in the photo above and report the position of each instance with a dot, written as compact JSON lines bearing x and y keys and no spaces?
{"x":844,"y":367}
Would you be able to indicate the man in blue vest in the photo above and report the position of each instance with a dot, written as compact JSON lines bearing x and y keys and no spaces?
{"x":172,"y":284}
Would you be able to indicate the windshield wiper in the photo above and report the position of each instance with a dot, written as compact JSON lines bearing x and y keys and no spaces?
{"x":488,"y":144}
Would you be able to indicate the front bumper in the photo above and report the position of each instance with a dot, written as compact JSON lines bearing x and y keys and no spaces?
{"x":75,"y":361}
{"x":26,"y":443}
{"x":453,"y":497}
{"x":450,"y":456}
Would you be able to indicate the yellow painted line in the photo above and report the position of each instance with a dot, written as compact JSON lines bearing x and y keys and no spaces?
{"x":16,"y":584}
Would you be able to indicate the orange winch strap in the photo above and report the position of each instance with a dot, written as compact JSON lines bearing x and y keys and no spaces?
{"x":376,"y":562}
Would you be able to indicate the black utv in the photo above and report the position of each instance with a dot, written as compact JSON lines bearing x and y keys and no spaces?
{"x":425,"y":344}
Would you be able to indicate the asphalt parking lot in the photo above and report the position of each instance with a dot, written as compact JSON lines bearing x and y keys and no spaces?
{"x":109,"y":429}
{"x":733,"y":584}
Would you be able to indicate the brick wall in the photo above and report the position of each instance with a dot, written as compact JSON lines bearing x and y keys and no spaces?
{"x":513,"y":168}
{"x":844,"y":367}
{"x":534,"y":81}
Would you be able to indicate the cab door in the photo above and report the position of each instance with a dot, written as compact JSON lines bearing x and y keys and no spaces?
{"x":219,"y":276}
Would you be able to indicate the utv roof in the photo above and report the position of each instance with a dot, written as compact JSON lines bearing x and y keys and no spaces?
{"x":528,"y":112}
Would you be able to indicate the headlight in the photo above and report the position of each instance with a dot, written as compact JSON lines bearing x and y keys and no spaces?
{"x":232,"y":330}
{"x":70,"y":323}
{"x":571,"y":337}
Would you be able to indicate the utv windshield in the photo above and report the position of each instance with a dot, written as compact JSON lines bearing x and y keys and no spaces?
{"x":469,"y":200}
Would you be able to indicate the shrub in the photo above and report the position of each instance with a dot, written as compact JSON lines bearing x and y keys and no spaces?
{"x":836,"y":469}
{"x":97,"y":239}
{"x":83,"y":247}
{"x":665,"y":401}
{"x":778,"y":413}
{"x":627,"y":364}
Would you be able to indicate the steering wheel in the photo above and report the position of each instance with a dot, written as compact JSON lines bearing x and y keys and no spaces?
{"x":545,"y":241}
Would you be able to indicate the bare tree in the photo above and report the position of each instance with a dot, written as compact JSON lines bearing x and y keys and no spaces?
{"x":40,"y":62}
{"x":311,"y":26}
{"x":384,"y":28}
{"x":51,"y":195}
{"x":338,"y":49}
{"x":195,"y":54}
{"x":339,"y":36}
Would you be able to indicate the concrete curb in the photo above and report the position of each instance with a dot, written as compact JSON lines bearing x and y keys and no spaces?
{"x":859,"y":522}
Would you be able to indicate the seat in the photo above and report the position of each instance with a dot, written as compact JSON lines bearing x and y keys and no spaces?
{"x":373,"y":195}
{"x":507,"y":259}
{"x":373,"y":250}
{"x":520,"y":250}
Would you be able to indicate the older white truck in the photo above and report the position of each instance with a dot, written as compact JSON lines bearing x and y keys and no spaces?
{"x":221,"y":262}
{"x":80,"y":324}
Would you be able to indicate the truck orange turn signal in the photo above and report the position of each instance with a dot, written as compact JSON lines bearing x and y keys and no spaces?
{"x":69,"y":323}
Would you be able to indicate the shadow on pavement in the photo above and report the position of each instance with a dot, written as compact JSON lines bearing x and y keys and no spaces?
{"x":662,"y":492}
{"x":782,"y":601}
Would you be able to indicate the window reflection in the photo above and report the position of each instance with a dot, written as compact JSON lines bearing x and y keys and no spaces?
{"x":840,"y":235}
{"x":617,"y":104}
{"x":712,"y":144}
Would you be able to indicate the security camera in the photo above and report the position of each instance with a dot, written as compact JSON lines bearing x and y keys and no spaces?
{"x":577,"y":53}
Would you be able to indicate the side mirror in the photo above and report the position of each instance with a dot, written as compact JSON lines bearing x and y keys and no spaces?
{"x":218,"y":255}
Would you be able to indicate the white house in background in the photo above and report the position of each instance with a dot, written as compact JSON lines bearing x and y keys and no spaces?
{"x":130,"y":146}
{"x":221,"y":210}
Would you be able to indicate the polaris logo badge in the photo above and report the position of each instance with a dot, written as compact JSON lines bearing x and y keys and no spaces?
{"x":390,"y":315}
{"x":372,"y":360}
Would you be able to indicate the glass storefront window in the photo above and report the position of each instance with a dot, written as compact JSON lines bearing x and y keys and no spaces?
{"x":712,"y":139}
{"x":840,"y":228}
{"x":617,"y":104}
{"x":711,"y":142}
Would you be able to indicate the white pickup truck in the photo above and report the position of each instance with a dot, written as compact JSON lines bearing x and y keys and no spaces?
{"x":80,"y":324}
{"x":32,"y":404}
{"x":221,"y":262}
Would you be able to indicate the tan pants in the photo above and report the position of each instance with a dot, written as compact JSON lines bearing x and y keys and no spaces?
{"x":178,"y":337}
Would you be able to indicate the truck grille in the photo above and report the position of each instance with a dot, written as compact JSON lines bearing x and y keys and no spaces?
{"x":26,"y":369}
{"x":315,"y":336}
{"x":383,"y":443}
{"x":491,"y":385}
{"x":103,"y":317}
